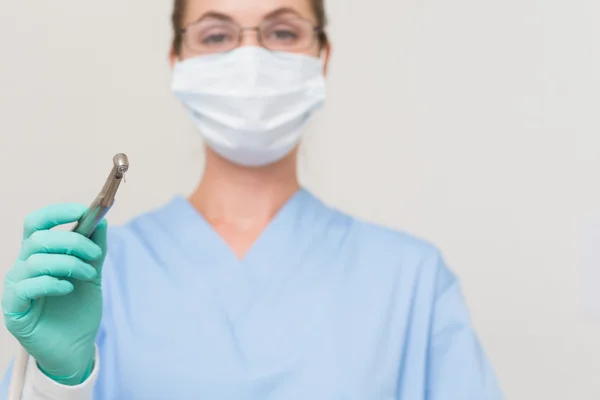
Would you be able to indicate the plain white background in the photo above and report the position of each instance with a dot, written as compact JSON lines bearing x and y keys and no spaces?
{"x":471,"y":123}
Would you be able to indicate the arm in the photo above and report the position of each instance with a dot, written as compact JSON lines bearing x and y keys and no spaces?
{"x":458,"y":368}
{"x":39,"y":387}
{"x":57,"y":274}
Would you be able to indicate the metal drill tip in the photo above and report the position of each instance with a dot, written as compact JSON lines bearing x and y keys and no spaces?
{"x":121,"y":163}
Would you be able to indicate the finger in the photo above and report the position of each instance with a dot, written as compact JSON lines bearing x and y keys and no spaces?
{"x":99,"y":235}
{"x":24,"y":292}
{"x":60,"y":242}
{"x":56,"y":265}
{"x":51,"y":216}
{"x":100,"y":238}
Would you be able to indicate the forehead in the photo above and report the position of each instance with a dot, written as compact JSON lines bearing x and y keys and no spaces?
{"x":245,"y":12}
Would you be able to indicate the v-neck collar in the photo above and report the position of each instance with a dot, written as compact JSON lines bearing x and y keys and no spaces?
{"x":239,"y":283}
{"x":200,"y":238}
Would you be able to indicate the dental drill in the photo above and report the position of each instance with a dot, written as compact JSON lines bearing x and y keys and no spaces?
{"x":85,"y":226}
{"x":105,"y":200}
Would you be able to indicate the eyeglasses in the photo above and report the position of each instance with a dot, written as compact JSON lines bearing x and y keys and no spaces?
{"x":211,"y":35}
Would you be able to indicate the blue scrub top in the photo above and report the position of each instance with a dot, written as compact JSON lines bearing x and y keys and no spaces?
{"x":323,"y":306}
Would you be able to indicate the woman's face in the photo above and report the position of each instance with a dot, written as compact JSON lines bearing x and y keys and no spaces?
{"x":215,"y":15}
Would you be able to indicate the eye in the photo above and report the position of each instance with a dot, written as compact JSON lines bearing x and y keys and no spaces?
{"x":214,"y":39}
{"x":212,"y":36}
{"x":288,"y":34}
{"x":284,"y":34}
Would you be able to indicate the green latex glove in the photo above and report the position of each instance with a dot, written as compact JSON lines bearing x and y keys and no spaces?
{"x":52,"y":300}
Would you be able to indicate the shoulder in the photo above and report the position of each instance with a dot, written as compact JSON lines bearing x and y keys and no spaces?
{"x":377,"y":240}
{"x":370,"y":236}
{"x":402,"y":244}
{"x":391,"y":252}
{"x":413,"y":262}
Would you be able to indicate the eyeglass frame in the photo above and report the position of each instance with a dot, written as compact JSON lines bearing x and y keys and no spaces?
{"x":317,"y":30}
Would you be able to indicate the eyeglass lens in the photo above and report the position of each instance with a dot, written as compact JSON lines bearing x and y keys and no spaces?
{"x":282,"y":34}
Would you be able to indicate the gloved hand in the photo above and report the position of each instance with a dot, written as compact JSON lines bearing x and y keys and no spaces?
{"x":52,"y":301}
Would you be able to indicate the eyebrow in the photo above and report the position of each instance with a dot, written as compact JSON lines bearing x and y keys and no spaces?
{"x":215,"y":15}
{"x":224,"y":17}
{"x":282,"y":11}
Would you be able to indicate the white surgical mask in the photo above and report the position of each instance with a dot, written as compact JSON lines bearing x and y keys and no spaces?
{"x":251,"y":104}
